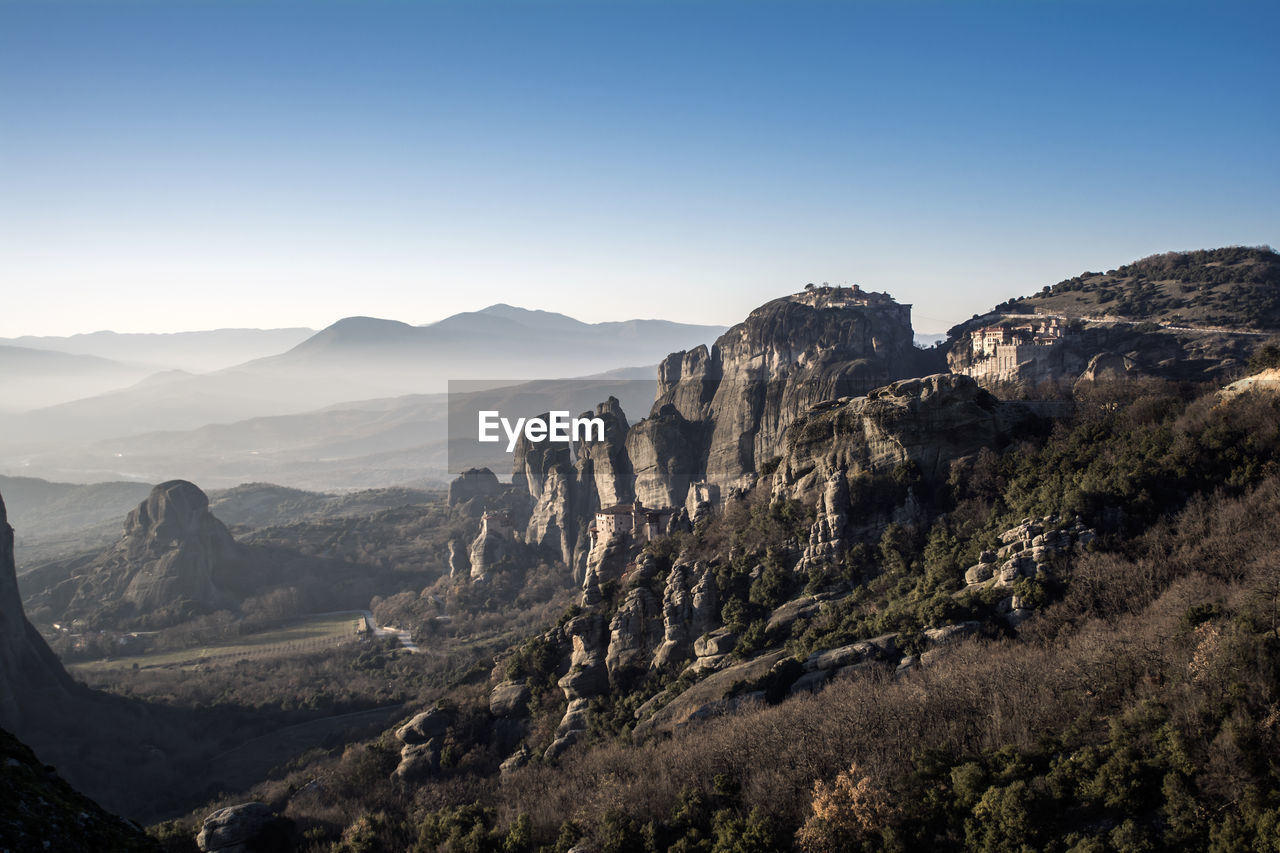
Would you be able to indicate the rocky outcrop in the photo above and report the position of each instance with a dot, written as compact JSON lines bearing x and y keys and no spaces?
{"x":607,"y":561}
{"x":509,"y":699}
{"x":491,"y":546}
{"x":559,"y":511}
{"x":472,"y":488}
{"x":788,"y":355}
{"x":605,"y":466}
{"x":826,"y":544}
{"x":666,"y":453}
{"x":27,"y":665}
{"x":634,"y":632}
{"x":720,"y":413}
{"x":1263,"y":382}
{"x":172,"y":548}
{"x":690,"y":608}
{"x":423,"y":739}
{"x":246,"y":828}
{"x":588,"y":675}
{"x":1108,"y":367}
{"x":716,"y":694}
{"x":173,"y":557}
{"x":927,"y":422}
{"x":1026,"y":551}
{"x":459,"y":560}
{"x":713,"y":648}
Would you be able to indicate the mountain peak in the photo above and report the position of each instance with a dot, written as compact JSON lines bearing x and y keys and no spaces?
{"x":358,"y":332}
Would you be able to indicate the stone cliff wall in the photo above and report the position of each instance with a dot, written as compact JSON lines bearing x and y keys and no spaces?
{"x":26,"y":662}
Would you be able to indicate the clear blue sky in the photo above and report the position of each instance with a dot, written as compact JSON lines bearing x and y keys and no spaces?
{"x":182,"y":165}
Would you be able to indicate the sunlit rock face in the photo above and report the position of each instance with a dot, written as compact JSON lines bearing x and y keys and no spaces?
{"x":928,"y":422}
{"x":738,"y":397}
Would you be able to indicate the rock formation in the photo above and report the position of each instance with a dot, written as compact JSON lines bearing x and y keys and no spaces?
{"x":492,"y":544}
{"x":548,"y":472}
{"x":738,"y":398}
{"x":244,"y":828}
{"x":173,"y":554}
{"x":826,"y":536}
{"x":172,"y":548}
{"x":472,"y":488}
{"x":634,"y":632}
{"x":605,"y":465}
{"x":1264,"y":382}
{"x":689,"y":609}
{"x":928,"y":422}
{"x":459,"y":560}
{"x":720,"y":413}
{"x":28,"y":668}
{"x":422,"y":740}
{"x":1026,"y":551}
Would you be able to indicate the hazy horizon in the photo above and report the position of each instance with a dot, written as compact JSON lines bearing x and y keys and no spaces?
{"x":321,"y":327}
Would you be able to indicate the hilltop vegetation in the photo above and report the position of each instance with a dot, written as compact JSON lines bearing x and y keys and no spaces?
{"x":1135,"y":712}
{"x":1236,"y":287}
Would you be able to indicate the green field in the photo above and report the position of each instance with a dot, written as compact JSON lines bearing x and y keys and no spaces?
{"x":308,"y":635}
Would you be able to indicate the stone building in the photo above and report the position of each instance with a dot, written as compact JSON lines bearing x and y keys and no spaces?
{"x":641,"y":522}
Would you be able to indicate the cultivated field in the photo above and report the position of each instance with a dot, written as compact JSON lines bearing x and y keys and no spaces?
{"x":307,"y":635}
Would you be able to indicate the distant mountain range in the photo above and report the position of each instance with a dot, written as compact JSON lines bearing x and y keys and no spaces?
{"x":197,"y":352}
{"x":292,"y":415}
{"x":31,"y":378}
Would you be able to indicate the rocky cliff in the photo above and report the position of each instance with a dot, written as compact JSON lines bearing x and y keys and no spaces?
{"x":27,"y":666}
{"x":926,"y":422}
{"x":730,"y":404}
{"x":720,"y":414}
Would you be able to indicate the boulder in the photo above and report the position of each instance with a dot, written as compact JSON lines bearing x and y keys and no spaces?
{"x":787,"y":614}
{"x":244,"y":828}
{"x":418,"y":761}
{"x":559,"y":745}
{"x":474,"y":483}
{"x":715,"y":643}
{"x":509,"y":699}
{"x":948,"y":634}
{"x":707,"y":693}
{"x":425,"y":726}
{"x":843,"y":656}
{"x":515,"y":761}
{"x":979,"y":573}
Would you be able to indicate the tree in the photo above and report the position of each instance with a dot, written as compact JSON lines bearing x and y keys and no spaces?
{"x":846,"y":814}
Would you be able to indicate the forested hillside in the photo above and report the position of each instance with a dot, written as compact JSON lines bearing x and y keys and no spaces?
{"x":1136,"y":710}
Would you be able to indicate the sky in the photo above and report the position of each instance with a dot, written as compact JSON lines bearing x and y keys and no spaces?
{"x":181,"y":165}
